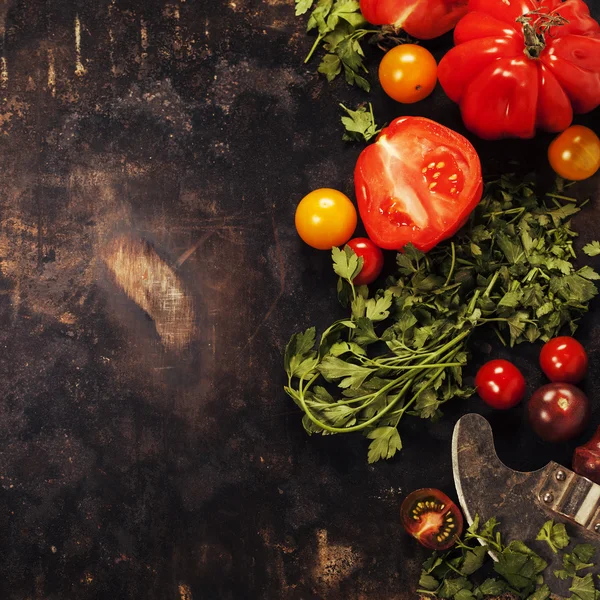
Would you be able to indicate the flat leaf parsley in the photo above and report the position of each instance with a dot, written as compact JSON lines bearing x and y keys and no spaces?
{"x":402,"y":350}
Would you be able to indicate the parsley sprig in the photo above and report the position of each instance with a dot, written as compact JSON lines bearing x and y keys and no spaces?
{"x":517,"y":569}
{"x":402,"y":350}
{"x":340,"y":29}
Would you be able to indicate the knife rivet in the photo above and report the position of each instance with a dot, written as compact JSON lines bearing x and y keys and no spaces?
{"x":561,"y":475}
{"x":597,"y":527}
{"x":548,"y":497}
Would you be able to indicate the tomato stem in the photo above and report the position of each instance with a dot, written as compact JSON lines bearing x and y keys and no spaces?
{"x":536,"y":25}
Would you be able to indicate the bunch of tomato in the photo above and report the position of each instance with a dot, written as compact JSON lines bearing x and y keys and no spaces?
{"x":558,"y":411}
{"x":516,"y":67}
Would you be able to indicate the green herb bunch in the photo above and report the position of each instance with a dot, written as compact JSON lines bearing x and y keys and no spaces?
{"x":401,"y":352}
{"x":341,"y":28}
{"x":517,"y":570}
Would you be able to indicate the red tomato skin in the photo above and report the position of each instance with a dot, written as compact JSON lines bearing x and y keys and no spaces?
{"x":502,"y":92}
{"x":564,"y":359}
{"x":372,"y":260}
{"x":423,"y":19}
{"x":392,"y":164}
{"x":500,"y":384}
{"x":413,"y":526}
{"x":558,"y":412}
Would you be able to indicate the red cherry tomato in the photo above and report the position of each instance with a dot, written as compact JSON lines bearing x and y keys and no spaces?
{"x":416,"y":184}
{"x":564,"y":359}
{"x":558,"y":412}
{"x":431,"y":518}
{"x":500,"y":384}
{"x":372,"y":260}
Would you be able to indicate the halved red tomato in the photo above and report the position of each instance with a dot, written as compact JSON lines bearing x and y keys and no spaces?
{"x":416,"y":184}
{"x":423,"y":19}
{"x":432,"y":518}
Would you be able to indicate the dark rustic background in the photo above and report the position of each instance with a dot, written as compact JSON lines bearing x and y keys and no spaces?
{"x":147,"y":449}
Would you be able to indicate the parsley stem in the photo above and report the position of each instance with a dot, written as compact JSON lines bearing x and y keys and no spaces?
{"x":417,"y":368}
{"x":451,"y":272}
{"x":314,"y":47}
{"x":565,"y":198}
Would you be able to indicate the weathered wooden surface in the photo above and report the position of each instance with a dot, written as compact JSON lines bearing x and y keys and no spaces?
{"x":151,"y":157}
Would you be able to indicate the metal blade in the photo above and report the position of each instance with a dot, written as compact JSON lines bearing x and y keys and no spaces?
{"x":522,"y":502}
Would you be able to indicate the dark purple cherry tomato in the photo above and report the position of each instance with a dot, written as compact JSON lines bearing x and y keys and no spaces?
{"x":372,"y":260}
{"x":564,"y":359}
{"x":500,"y":384}
{"x":558,"y":412}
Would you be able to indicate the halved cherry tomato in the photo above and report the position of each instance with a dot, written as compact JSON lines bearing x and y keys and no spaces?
{"x":558,"y":412}
{"x":423,"y":19}
{"x":325,"y":218}
{"x":408,"y":73}
{"x":575,"y":153}
{"x":416,"y":184}
{"x":500,"y":384}
{"x":564,"y":359}
{"x":431,"y":518}
{"x":372,"y":260}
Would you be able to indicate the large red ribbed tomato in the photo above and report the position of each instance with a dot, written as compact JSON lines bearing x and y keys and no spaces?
{"x":519,"y":65}
{"x":416,"y":184}
{"x":423,"y":19}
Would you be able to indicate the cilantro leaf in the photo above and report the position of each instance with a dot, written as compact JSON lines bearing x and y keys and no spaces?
{"x":386,"y":442}
{"x":554,"y":534}
{"x":359,"y":124}
{"x":592,"y":249}
{"x":473,"y":560}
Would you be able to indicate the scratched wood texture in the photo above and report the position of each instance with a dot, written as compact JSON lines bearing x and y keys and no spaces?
{"x":151,"y":157}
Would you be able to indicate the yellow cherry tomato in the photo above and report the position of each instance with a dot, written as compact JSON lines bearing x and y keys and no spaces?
{"x":325,"y":218}
{"x":408,"y":73}
{"x":575,"y":153}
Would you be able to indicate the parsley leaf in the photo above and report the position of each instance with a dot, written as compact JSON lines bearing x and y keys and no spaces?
{"x":386,"y":442}
{"x":299,"y":356}
{"x":583,"y":588}
{"x":576,"y":561}
{"x":359,"y":124}
{"x":346,"y":263}
{"x":554,"y":534}
{"x":592,"y":249}
{"x":303,"y":6}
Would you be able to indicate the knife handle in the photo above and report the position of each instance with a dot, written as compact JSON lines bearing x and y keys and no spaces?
{"x":571,"y":496}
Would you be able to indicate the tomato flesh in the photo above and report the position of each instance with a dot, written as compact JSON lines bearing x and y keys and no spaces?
{"x":500,"y":384}
{"x":372,"y":260}
{"x":558,"y":412}
{"x":417,"y":184}
{"x":431,"y":518}
{"x":564,"y":359}
{"x":575,"y":153}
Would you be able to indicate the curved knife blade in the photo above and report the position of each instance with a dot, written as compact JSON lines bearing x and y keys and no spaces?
{"x":521,"y":501}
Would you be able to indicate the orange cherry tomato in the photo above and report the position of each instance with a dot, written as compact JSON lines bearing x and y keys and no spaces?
{"x":325,"y":218}
{"x":408,"y":73}
{"x":575,"y":153}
